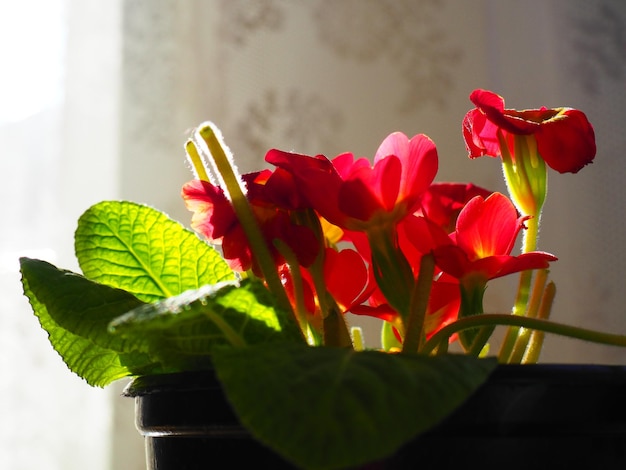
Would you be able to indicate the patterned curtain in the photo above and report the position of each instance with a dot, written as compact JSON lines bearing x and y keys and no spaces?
{"x":321,"y":76}
{"x":329,"y":76}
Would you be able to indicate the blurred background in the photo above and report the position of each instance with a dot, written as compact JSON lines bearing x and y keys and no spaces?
{"x":97,"y":99}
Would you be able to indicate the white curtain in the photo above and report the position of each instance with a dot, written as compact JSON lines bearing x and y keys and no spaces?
{"x":97,"y":99}
{"x":58,"y":143}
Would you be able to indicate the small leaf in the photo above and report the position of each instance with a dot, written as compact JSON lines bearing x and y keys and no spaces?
{"x":324,"y":407}
{"x":139,"y":249}
{"x":75,"y":312}
{"x":185,"y":329}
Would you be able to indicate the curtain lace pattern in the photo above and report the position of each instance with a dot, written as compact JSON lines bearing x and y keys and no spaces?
{"x":314,"y":77}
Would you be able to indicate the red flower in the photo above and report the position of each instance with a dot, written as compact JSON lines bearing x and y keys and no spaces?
{"x":354,"y":194}
{"x":443,"y":307}
{"x":485,"y":234}
{"x":215,"y":218}
{"x":213,"y":215}
{"x":565,"y":138}
{"x":417,"y":235}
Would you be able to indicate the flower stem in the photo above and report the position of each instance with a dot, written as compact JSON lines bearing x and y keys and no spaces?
{"x":414,"y":328}
{"x":357,"y":338}
{"x":472,"y":294}
{"x":480,"y":340}
{"x":523,"y":292}
{"x":536,"y":339}
{"x":392,"y":271}
{"x":298,"y":289}
{"x":539,"y":324}
{"x":336,"y":331}
{"x":334,"y":327}
{"x":526,"y":177}
{"x":221,"y":159}
{"x":523,"y":335}
{"x":196,"y":161}
{"x":333,"y":324}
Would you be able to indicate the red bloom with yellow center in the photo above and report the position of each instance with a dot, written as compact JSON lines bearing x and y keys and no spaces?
{"x":485,"y":235}
{"x":565,"y":138}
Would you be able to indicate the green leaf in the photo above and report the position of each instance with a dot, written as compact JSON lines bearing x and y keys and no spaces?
{"x":350,"y":407}
{"x":185,"y":329}
{"x":76,"y":312}
{"x":139,"y":249}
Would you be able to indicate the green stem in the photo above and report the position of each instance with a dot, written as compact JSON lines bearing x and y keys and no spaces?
{"x":503,"y":319}
{"x":414,"y":328}
{"x":523,"y":289}
{"x":480,"y":340}
{"x":526,"y":178}
{"x":536,"y":340}
{"x":334,"y":327}
{"x":233,"y":187}
{"x":523,"y":292}
{"x":296,"y":277}
{"x":392,"y":271}
{"x":336,"y":331}
{"x":523,"y":335}
{"x":472,"y":294}
{"x":357,"y":338}
{"x":196,"y":161}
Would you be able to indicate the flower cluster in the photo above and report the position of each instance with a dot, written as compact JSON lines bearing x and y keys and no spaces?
{"x":380,"y":237}
{"x":303,"y":243}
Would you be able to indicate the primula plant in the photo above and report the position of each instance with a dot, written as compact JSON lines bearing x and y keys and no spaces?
{"x":259,"y":290}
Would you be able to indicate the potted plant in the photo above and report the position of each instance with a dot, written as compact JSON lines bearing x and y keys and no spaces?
{"x":254,"y":335}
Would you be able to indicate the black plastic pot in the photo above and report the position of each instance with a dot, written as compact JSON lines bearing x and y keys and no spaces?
{"x":532,"y":416}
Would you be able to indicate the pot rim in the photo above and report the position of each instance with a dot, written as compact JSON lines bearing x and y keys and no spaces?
{"x":573,"y":373}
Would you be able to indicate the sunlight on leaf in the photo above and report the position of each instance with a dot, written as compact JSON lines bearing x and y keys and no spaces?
{"x":185,"y":329}
{"x":139,"y":249}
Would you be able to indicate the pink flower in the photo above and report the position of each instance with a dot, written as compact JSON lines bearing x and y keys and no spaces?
{"x":356,"y":195}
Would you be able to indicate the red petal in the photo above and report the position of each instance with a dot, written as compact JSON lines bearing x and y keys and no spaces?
{"x":452,"y":260}
{"x":487,"y":227}
{"x":421,"y":234}
{"x":213,"y":215}
{"x":567,"y":143}
{"x":317,"y":181}
{"x":345,"y":275}
{"x":499,"y":266}
{"x":480,"y":135}
{"x":371,"y":189}
{"x":419,"y":162}
{"x":443,"y":306}
{"x":382,"y":311}
{"x":493,"y":106}
{"x":236,"y":250}
{"x":442,"y":202}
